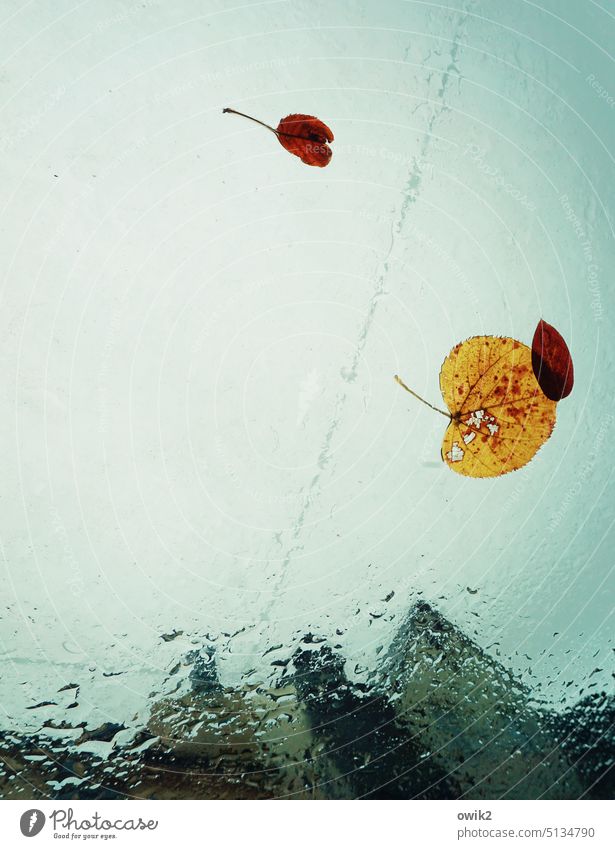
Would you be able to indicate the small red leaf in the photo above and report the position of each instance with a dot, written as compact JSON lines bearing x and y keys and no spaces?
{"x":302,"y":135}
{"x":552,"y":362}
{"x":306,"y":137}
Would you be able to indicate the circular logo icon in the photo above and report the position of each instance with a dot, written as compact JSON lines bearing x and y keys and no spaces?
{"x":32,"y":822}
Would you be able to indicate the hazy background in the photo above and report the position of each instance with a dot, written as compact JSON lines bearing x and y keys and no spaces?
{"x":200,"y":429}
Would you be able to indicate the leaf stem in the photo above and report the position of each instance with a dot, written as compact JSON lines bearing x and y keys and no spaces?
{"x":437,"y":409}
{"x":250,"y":118}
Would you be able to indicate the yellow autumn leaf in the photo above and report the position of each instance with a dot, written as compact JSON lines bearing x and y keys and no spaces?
{"x":499,"y":415}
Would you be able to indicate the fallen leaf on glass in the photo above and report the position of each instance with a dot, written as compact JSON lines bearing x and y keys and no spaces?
{"x":302,"y":135}
{"x":499,"y":416}
{"x":552,"y":362}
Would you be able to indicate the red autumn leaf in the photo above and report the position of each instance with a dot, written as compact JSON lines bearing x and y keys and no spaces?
{"x":302,"y":135}
{"x":552,"y":362}
{"x":307,"y":138}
